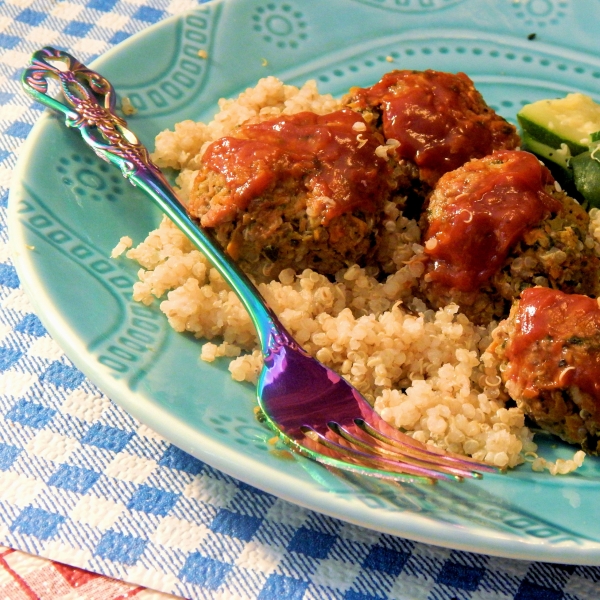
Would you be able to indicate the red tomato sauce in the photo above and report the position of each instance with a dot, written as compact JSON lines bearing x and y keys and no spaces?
{"x":336,"y":163}
{"x":556,"y":343}
{"x":440,"y":119}
{"x":480,"y":211}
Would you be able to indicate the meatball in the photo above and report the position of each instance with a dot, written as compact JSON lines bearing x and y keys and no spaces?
{"x":551,"y":349}
{"x":439,"y":120}
{"x":497,"y":226}
{"x":299,"y":191}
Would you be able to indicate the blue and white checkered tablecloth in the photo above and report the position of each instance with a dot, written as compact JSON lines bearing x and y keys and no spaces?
{"x":84,"y":483}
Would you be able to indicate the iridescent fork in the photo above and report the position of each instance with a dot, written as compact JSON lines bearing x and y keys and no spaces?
{"x":310,"y":407}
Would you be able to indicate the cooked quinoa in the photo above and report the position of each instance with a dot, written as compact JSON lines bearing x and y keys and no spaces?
{"x":426,"y":371}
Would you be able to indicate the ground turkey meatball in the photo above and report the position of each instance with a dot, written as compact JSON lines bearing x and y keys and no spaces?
{"x":439,"y":120}
{"x":299,"y":191}
{"x":550,"y":345}
{"x":499,"y":225}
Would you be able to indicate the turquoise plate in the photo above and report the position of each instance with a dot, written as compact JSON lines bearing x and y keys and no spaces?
{"x":68,"y":210}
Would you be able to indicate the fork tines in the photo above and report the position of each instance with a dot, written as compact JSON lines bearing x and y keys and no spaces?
{"x":394,"y":456}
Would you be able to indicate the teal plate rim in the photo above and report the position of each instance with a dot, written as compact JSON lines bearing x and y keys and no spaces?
{"x":66,"y":212}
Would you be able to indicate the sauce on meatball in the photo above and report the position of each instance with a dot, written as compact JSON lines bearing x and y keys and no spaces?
{"x":333,"y":158}
{"x":480,"y":211}
{"x":556,"y":343}
{"x":439,"y":119}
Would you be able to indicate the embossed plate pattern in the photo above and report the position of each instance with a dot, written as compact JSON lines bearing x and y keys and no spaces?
{"x":67,"y":211}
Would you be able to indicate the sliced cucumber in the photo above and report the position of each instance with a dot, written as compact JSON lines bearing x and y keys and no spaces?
{"x":586,"y":176}
{"x":558,"y":161}
{"x":570,"y":120}
{"x":559,"y":157}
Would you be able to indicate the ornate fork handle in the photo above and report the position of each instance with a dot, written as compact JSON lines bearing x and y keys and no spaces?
{"x":89,"y":106}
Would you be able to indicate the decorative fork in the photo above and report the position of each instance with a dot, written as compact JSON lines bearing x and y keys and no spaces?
{"x":311,"y":408}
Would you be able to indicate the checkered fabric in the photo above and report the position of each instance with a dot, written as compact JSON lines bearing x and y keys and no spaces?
{"x":84,"y":483}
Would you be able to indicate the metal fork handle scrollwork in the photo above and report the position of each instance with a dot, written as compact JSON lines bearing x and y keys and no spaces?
{"x":90,"y":102}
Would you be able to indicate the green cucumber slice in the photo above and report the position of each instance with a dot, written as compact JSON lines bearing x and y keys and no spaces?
{"x":558,"y":161}
{"x":560,"y":157}
{"x":569,"y":120}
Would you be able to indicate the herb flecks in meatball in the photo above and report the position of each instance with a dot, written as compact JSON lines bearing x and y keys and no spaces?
{"x":299,"y":191}
{"x":499,"y":225}
{"x":551,"y":347}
